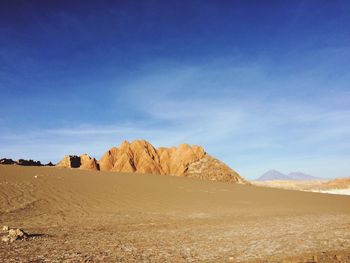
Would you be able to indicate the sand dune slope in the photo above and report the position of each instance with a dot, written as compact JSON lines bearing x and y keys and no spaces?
{"x":115,"y":217}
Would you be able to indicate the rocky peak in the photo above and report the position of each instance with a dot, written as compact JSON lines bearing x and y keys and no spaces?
{"x":88,"y":163}
{"x":142,"y":157}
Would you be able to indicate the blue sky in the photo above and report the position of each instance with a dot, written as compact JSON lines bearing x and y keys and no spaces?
{"x":260,"y":84}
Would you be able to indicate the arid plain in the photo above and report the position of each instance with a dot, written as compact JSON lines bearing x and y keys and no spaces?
{"x":89,"y":216}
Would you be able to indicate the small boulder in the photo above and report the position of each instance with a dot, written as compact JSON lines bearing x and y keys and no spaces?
{"x":49,"y":164}
{"x":15,"y":234}
{"x":7,"y":161}
{"x":5,"y":228}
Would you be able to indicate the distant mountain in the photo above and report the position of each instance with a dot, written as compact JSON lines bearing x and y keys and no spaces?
{"x":272,"y":175}
{"x":301,"y":176}
{"x":276,"y":175}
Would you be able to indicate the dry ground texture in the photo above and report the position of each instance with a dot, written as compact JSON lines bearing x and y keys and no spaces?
{"x":86,"y":216}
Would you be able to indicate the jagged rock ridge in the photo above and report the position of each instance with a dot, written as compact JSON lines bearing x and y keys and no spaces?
{"x":142,"y":157}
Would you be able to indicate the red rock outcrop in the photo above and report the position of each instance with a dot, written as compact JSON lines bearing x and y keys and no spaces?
{"x":192,"y":161}
{"x":142,"y":157}
{"x":88,"y":163}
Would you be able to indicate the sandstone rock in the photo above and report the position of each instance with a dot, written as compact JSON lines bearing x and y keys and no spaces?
{"x":15,"y":234}
{"x":70,"y":161}
{"x":141,"y":157}
{"x":138,"y":156}
{"x":88,"y":163}
{"x":209,"y":168}
{"x":108,"y":159}
{"x":83,"y":162}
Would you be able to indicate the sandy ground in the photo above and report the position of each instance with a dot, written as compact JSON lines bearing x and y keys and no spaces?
{"x":82,"y":216}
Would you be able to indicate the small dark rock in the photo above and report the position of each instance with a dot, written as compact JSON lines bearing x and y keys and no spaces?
{"x":7,"y":161}
{"x":28,"y":162}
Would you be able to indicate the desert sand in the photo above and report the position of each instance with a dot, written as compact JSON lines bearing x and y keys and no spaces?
{"x":88,"y":216}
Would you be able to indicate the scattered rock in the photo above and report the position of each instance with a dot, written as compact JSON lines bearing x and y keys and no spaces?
{"x":15,"y":234}
{"x":7,"y":161}
{"x":28,"y":162}
{"x":20,"y":162}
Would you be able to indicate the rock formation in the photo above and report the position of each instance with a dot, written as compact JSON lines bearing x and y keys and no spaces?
{"x":7,"y":161}
{"x":69,"y":161}
{"x":88,"y":163}
{"x":20,"y":162}
{"x":83,"y":162}
{"x":138,"y":156}
{"x":13,"y":234}
{"x":209,"y":168}
{"x":141,"y":157}
{"x":28,"y":162}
